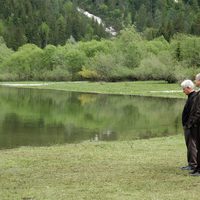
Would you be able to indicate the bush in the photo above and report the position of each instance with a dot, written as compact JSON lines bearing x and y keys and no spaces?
{"x":89,"y":74}
{"x":106,"y":67}
{"x":186,"y":49}
{"x":48,"y":55}
{"x":8,"y":77}
{"x":69,"y":59}
{"x":94,"y":47}
{"x":127,"y":56}
{"x":25,"y":62}
{"x":56,"y":74}
{"x":183,"y":73}
{"x":74,"y":61}
{"x":157,"y":45}
{"x":129,"y":44}
{"x":103,"y":64}
{"x":5,"y":52}
{"x":152,"y":68}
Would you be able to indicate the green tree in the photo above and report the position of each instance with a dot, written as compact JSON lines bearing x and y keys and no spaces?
{"x":44,"y":34}
{"x":141,"y":21}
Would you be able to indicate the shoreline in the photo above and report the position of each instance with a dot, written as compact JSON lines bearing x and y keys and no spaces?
{"x":136,"y":88}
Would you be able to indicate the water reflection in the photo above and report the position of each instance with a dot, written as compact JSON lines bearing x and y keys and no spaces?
{"x":43,"y":117}
{"x":106,"y":136}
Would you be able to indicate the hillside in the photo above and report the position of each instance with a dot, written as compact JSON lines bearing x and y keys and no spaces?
{"x":152,"y":17}
{"x":55,"y":21}
{"x":44,"y":22}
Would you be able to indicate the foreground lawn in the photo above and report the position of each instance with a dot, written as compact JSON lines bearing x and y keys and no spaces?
{"x":139,"y":170}
{"x":142,"y":88}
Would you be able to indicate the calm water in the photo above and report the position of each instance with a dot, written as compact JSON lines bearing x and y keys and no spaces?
{"x":43,"y":117}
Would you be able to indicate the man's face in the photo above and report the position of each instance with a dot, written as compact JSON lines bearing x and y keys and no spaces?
{"x":197,"y":83}
{"x":187,"y":90}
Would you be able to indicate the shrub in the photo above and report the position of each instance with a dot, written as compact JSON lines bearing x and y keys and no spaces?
{"x":186,"y":49}
{"x":56,"y":74}
{"x":25,"y":62}
{"x":48,"y":55}
{"x":152,"y":68}
{"x":106,"y":67}
{"x":94,"y":47}
{"x":8,"y":76}
{"x":183,"y":73}
{"x":157,"y":45}
{"x":5,"y":52}
{"x":89,"y":74}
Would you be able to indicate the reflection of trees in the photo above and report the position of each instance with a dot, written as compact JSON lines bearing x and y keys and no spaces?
{"x":76,"y":115}
{"x":87,"y":98}
{"x":177,"y":123}
{"x":132,"y":114}
{"x":106,"y":135}
{"x":17,"y":131}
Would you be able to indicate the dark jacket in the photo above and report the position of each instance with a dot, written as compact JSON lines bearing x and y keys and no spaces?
{"x":194,"y":116}
{"x":187,"y":107}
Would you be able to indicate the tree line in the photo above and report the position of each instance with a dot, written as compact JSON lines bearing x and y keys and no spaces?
{"x":151,"y":17}
{"x":44,"y":22}
{"x":129,"y":56}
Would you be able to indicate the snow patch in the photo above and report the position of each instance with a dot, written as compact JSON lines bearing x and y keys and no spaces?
{"x":23,"y":84}
{"x":110,"y":29}
{"x":167,"y":91}
{"x":91,"y":16}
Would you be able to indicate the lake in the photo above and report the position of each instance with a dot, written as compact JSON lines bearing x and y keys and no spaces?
{"x":32,"y":117}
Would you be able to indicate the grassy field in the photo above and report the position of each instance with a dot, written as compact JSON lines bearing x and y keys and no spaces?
{"x":135,"y":170}
{"x":141,"y":88}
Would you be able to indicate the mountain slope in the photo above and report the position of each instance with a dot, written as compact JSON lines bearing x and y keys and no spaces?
{"x":152,"y":17}
{"x":55,"y":21}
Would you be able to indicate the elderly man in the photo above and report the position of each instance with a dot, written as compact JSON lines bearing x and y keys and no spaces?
{"x":193,"y":123}
{"x":188,"y":89}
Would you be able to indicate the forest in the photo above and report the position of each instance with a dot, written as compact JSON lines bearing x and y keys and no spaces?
{"x":151,"y":17}
{"x":51,"y":40}
{"x":126,"y":57}
{"x":43,"y":22}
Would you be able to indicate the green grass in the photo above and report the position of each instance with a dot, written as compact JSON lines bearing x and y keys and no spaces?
{"x":139,"y":170}
{"x":135,"y":170}
{"x":142,"y":88}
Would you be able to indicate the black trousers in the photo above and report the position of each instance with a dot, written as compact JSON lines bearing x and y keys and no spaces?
{"x":196,"y":132}
{"x":190,"y":141}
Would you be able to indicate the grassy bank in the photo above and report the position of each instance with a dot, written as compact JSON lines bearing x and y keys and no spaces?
{"x":141,"y":169}
{"x":142,"y":88}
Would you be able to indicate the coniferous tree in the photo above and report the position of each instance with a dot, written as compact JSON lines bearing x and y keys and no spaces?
{"x":54,"y":21}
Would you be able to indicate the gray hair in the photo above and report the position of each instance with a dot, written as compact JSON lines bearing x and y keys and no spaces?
{"x":187,"y":84}
{"x":198,"y":77}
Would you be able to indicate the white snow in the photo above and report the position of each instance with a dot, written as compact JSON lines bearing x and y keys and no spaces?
{"x":91,"y":16}
{"x":23,"y":84}
{"x":110,"y":29}
{"x":167,"y":91}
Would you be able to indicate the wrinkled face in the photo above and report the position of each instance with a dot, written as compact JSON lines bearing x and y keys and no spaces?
{"x":187,"y":90}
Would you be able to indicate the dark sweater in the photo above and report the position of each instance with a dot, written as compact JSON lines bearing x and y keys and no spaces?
{"x":187,"y":108}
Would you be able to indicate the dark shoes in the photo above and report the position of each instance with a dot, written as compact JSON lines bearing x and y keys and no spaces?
{"x":187,"y":168}
{"x":195,"y":173}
